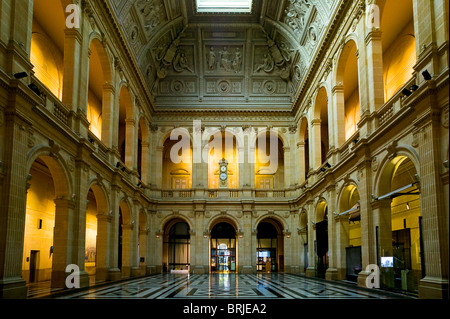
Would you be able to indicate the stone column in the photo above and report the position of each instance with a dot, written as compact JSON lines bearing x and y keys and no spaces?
{"x":113,"y":235}
{"x":201,"y":244}
{"x":381,"y":210}
{"x":339,"y":112}
{"x":301,"y":164}
{"x":145,"y":160}
{"x":316,"y":150}
{"x":63,"y":241}
{"x":102,"y":245}
{"x":332,"y":271}
{"x":71,"y":80}
{"x":13,"y":205}
{"x":151,"y":242}
{"x":16,"y":28}
{"x":127,"y":232}
{"x":368,"y":252}
{"x":108,"y":115}
{"x":341,"y":238}
{"x":432,"y":206}
{"x":130,"y":144}
{"x":247,"y":248}
{"x":295,"y":242}
{"x":287,"y":167}
{"x":311,"y":267}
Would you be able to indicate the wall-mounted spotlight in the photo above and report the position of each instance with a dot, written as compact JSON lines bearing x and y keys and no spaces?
{"x":20,"y":75}
{"x":414,"y":88}
{"x":328,"y":165}
{"x":118,"y":165}
{"x":91,"y":140}
{"x":426,"y":75}
{"x":322,"y":169}
{"x":355,"y":140}
{"x":34,"y":88}
{"x":406,"y":92}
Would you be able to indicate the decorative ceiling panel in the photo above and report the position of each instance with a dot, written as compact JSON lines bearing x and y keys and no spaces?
{"x":251,"y":60}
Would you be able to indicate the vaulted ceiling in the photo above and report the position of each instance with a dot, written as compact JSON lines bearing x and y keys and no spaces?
{"x":223,"y":60}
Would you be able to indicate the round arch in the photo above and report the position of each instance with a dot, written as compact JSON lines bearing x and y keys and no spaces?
{"x":57,"y":167}
{"x":388,"y":164}
{"x":223,"y":219}
{"x":95,"y":42}
{"x":171,"y":220}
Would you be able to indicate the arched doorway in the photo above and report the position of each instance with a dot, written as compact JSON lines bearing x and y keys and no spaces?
{"x":350,"y":231}
{"x":399,"y":244}
{"x":176,"y":248}
{"x":321,"y":244}
{"x":223,"y":248}
{"x":47,"y":208}
{"x":269,"y":249}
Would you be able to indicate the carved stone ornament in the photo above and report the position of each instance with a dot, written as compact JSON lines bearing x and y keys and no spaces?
{"x":375,"y":164}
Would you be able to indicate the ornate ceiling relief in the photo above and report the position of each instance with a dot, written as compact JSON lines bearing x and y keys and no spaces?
{"x":191,"y":59}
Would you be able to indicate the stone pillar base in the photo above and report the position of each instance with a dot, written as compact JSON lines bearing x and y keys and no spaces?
{"x":151,"y":270}
{"x":247,"y":270}
{"x":58,"y":279}
{"x":101,"y":274}
{"x":199,"y":269}
{"x":84,"y":279}
{"x":362,"y":277}
{"x":13,"y":288}
{"x":310,"y":272}
{"x":331,"y":274}
{"x":114,"y":274}
{"x":433,"y":288}
{"x":294,"y":269}
{"x":135,"y":271}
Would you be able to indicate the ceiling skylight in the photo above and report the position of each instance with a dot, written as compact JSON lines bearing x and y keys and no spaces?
{"x":228,"y":6}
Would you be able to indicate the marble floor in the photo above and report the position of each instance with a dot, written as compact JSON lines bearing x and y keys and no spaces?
{"x":229,"y":286}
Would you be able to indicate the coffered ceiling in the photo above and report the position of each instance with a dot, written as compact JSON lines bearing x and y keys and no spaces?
{"x":192,"y":59}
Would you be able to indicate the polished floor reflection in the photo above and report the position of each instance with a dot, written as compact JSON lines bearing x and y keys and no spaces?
{"x":229,"y":286}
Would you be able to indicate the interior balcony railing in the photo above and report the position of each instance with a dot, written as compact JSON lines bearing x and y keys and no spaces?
{"x":219,"y":193}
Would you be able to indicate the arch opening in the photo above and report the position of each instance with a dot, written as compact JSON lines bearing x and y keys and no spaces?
{"x":223,"y":248}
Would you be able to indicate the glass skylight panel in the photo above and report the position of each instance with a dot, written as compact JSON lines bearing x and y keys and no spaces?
{"x":228,"y":6}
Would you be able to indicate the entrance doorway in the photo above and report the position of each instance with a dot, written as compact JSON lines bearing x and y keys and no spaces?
{"x":178,"y":247}
{"x":223,"y":248}
{"x":34,"y":256}
{"x":266,"y":251}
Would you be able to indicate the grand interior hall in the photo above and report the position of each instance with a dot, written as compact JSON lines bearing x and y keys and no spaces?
{"x":210,"y":149}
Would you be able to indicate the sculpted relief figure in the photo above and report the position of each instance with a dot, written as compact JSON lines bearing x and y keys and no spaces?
{"x":296,"y":14}
{"x":267,"y":64}
{"x":211,"y":59}
{"x":181,"y":63}
{"x":225,"y":59}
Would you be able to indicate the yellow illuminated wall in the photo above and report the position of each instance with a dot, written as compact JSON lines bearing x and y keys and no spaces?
{"x":47,"y":60}
{"x":91,"y":233}
{"x":176,"y":175}
{"x":352,"y":114}
{"x":40,"y":206}
{"x":262,"y":170}
{"x":94,"y":114}
{"x":399,"y":60}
